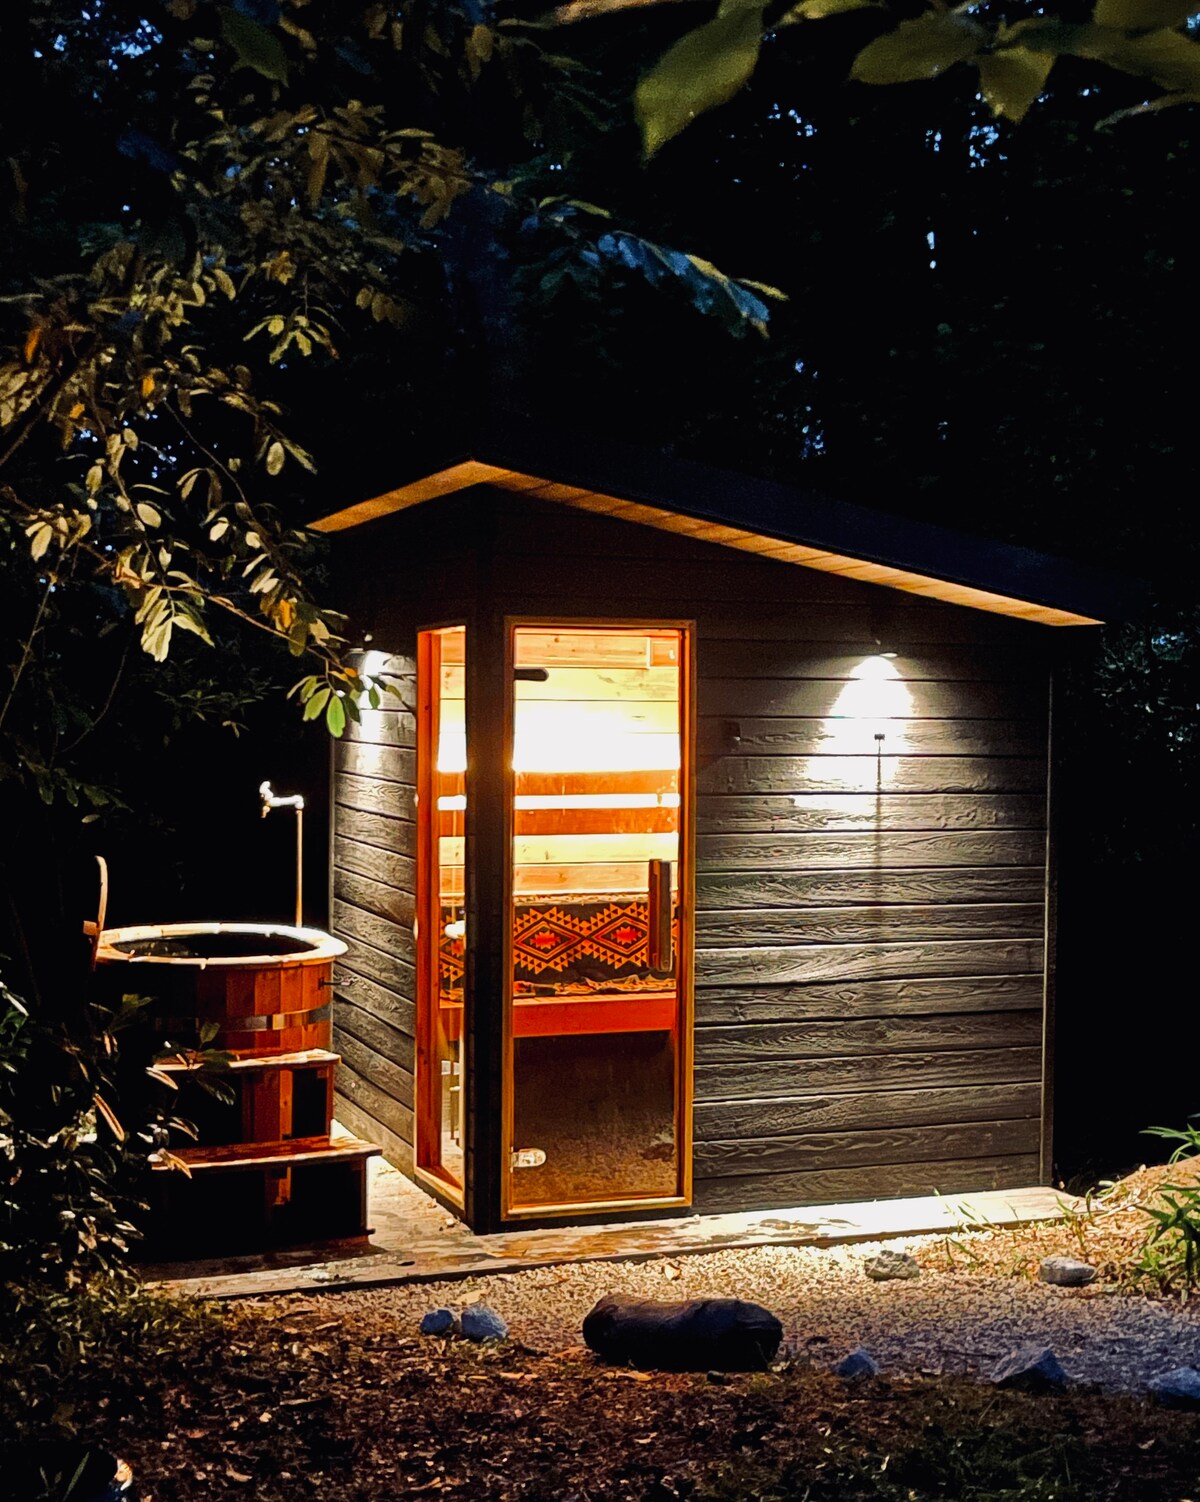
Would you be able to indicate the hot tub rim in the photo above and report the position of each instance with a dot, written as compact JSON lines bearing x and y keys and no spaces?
{"x":325,"y":947}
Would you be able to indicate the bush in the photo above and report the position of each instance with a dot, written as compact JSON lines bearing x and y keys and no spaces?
{"x":82,"y":1108}
{"x":73,"y":1362}
{"x":1171,"y":1250}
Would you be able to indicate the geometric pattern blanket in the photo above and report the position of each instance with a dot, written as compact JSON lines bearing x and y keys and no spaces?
{"x":570,"y":945}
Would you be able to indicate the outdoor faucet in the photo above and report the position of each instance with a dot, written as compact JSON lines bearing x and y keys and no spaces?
{"x":270,"y":800}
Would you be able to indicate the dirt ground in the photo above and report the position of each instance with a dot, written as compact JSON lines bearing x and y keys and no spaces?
{"x":336,"y":1396}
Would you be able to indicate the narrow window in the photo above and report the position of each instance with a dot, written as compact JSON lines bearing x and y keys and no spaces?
{"x":440,"y":921}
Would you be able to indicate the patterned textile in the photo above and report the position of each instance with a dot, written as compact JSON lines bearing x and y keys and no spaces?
{"x":568,"y":946}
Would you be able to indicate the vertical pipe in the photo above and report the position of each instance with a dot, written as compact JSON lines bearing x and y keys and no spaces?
{"x":300,"y":865}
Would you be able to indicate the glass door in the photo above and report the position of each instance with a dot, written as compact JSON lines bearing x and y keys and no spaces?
{"x":440,"y":928}
{"x":597,"y":1044}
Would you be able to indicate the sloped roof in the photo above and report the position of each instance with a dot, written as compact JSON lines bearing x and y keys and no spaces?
{"x":782,"y":522}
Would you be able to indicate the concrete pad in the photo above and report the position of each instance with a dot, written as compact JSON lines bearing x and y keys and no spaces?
{"x":414,"y":1240}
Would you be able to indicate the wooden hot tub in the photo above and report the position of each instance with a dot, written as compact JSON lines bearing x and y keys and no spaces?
{"x":266,"y":986}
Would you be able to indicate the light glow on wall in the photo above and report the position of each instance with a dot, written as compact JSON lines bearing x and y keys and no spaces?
{"x":867,"y":719}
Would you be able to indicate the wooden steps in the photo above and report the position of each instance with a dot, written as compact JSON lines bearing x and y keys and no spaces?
{"x":265,"y":1171}
{"x":236,"y":1156}
{"x":310,"y":1058}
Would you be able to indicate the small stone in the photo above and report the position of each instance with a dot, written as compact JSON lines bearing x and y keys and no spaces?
{"x":859,"y":1363}
{"x":480,"y":1322}
{"x":1066,"y":1272}
{"x":889,"y":1265}
{"x":439,"y":1322}
{"x":1179,"y":1388}
{"x":1030,"y":1368}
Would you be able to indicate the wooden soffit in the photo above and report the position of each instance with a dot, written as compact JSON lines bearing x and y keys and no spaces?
{"x":473,"y":472}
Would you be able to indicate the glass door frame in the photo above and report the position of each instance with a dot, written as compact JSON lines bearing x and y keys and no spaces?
{"x":685,"y":957}
{"x":427,"y":927}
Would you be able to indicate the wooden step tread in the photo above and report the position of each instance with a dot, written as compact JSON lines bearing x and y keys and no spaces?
{"x":246,"y":1155}
{"x":311,"y":1058}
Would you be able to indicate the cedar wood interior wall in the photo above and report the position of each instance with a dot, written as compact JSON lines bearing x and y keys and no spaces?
{"x":870,"y":930}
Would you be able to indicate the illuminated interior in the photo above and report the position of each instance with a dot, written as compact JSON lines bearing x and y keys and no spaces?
{"x":596,"y":1006}
{"x":594,"y":1030}
{"x":441,"y":808}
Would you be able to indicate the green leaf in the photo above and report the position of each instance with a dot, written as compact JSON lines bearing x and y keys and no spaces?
{"x":317,"y":703}
{"x":148,"y":514}
{"x":274,"y":464}
{"x":705,"y":68}
{"x":919,"y":49}
{"x":256,"y":47}
{"x":1012,"y":79}
{"x":1168,"y":58}
{"x":821,"y":10}
{"x":1144,"y":15}
{"x":335,"y":716}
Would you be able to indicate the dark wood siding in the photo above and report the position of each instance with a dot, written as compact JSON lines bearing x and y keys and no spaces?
{"x":870,"y":915}
{"x":374,"y":886}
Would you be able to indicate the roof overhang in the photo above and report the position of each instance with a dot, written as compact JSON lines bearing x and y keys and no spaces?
{"x":778,"y":522}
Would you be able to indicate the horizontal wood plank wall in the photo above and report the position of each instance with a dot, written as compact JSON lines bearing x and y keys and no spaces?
{"x":870,"y":914}
{"x":374,"y":886}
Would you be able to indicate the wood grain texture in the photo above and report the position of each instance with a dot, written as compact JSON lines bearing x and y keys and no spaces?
{"x":864,"y":771}
{"x":389,"y":1042}
{"x":865,"y":850}
{"x":826,"y":698}
{"x":375,"y":897}
{"x":396,"y":1150}
{"x":789,"y":658}
{"x":386,"y":969}
{"x":770,"y":965}
{"x":875,"y":1036}
{"x":374,"y":862}
{"x":374,"y":1066}
{"x":372,"y":796}
{"x":368,"y":994}
{"x":387,"y":763}
{"x":749,"y":1120}
{"x":791,"y":735}
{"x":383,"y":727}
{"x":880,"y":1181}
{"x":376,"y":1103}
{"x":368,"y":828}
{"x":804,"y":889}
{"x":726,"y":1005}
{"x":867,"y":1146}
{"x":829,"y":813}
{"x":381,"y":933}
{"x":767,"y":1078}
{"x":874,"y":924}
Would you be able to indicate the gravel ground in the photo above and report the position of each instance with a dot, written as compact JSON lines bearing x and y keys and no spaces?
{"x":945,"y":1321}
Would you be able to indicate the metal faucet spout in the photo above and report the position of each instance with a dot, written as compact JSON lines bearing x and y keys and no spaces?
{"x":270,"y":800}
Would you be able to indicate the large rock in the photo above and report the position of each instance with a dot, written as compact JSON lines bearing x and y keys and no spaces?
{"x":1066,"y":1272}
{"x":889,"y":1265}
{"x":1030,"y":1368}
{"x":480,"y":1322}
{"x":692,"y":1335}
{"x":1179,"y":1388}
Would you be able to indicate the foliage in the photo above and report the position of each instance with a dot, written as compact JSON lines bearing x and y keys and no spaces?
{"x":1012,"y":48}
{"x":63,"y":1354}
{"x":82,"y":1108}
{"x":1171,"y":1251}
{"x":291,"y":173}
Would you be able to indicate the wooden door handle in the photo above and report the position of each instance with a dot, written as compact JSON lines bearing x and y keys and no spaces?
{"x":660,"y":941}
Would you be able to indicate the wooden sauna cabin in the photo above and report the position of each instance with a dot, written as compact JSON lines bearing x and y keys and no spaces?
{"x":703,"y":860}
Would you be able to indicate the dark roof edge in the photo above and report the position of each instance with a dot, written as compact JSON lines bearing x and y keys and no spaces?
{"x":804,"y":516}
